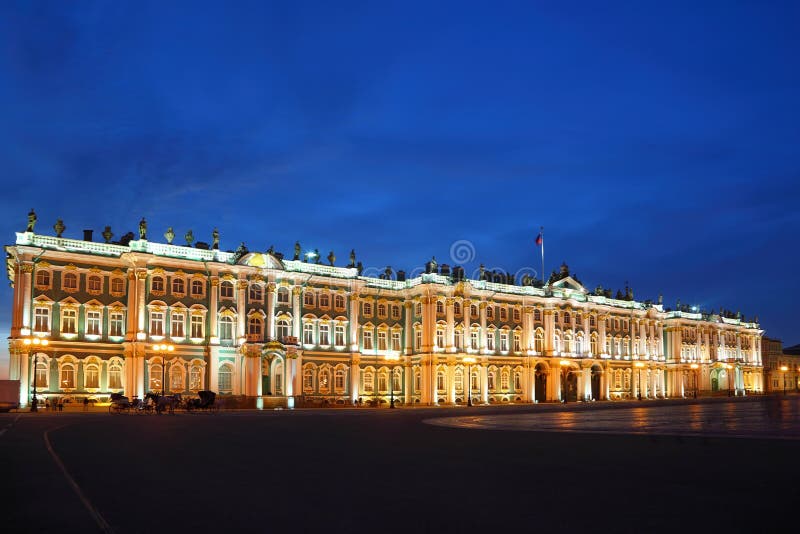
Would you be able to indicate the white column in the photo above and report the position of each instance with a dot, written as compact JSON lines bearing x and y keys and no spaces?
{"x":482,"y":307}
{"x":408,"y":378}
{"x":484,"y":384}
{"x":213,"y":369}
{"x":408,"y":331}
{"x":270,"y":333}
{"x":24,"y":378}
{"x":451,"y":383}
{"x":450,"y":333}
{"x":213,"y":308}
{"x":141,"y":332}
{"x":549,"y":332}
{"x":296,"y":311}
{"x":355,"y":376}
{"x":241,"y":311}
{"x":25,"y":282}
{"x":354,"y":312}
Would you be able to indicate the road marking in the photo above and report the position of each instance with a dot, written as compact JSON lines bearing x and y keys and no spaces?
{"x":101,"y":522}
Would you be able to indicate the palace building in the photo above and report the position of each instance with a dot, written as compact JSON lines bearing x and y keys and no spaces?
{"x":138,"y":316}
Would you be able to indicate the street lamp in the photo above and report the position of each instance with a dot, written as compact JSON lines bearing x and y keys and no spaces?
{"x":639,"y":366}
{"x":564,"y":367}
{"x":35,"y":342}
{"x":729,"y":367}
{"x":163,"y":350}
{"x":391,"y":358}
{"x":694,"y":367}
{"x":784,"y":368}
{"x":469,"y":360}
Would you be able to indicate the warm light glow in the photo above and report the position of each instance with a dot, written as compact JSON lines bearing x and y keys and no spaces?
{"x":728,"y":366}
{"x":469,"y":359}
{"x":639,"y":364}
{"x":170,"y":348}
{"x":45,"y":342}
{"x":694,"y":366}
{"x":393,"y":357}
{"x":784,"y":368}
{"x":26,"y":341}
{"x":564,"y":362}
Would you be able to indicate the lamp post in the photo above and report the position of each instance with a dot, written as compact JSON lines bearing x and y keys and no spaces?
{"x":694,"y":367}
{"x":391,"y":358}
{"x":639,"y":366}
{"x":34,"y":342}
{"x":729,"y":367}
{"x":469,"y":360}
{"x":565,"y":368}
{"x":163,"y":349}
{"x":784,"y":368}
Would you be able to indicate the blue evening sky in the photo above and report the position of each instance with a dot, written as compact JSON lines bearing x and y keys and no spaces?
{"x":656,"y":142}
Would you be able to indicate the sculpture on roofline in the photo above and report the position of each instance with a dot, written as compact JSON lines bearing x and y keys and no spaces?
{"x":352,"y":258}
{"x":59,"y":227}
{"x":143,"y":229}
{"x":331,"y":258}
{"x":296,"y":250}
{"x":189,"y":237}
{"x":215,"y":239}
{"x":169,"y":235}
{"x":107,"y":234}
{"x":31,"y":220}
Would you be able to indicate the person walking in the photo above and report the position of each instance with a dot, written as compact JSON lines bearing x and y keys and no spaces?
{"x":85,"y":404}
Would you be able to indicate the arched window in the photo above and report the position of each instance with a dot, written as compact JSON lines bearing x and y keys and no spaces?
{"x":491,"y":379}
{"x":591,"y":320}
{"x":42,"y":374}
{"x":516,"y":315}
{"x":338,"y":301}
{"x":225,"y":378}
{"x":198,"y":288}
{"x":43,"y":278}
{"x":566,"y":317}
{"x":538,"y":342}
{"x":156,"y":374}
{"x":458,"y":380}
{"x":256,"y":293}
{"x":308,"y":333}
{"x":67,"y":380}
{"x":503,"y":314}
{"x":255,"y":326}
{"x":504,"y":379}
{"x":226,"y":289}
{"x":473,"y":310}
{"x":308,"y":380}
{"x":441,"y":381}
{"x":593,"y":345}
{"x":439,"y":307}
{"x":176,"y":381}
{"x":340,"y":381}
{"x":440,"y":338}
{"x":282,"y":328}
{"x":579,"y":344}
{"x":115,"y":376}
{"x":157,"y":284}
{"x":381,"y":310}
{"x":537,"y":315}
{"x":324,"y":381}
{"x":70,"y":282}
{"x":556,"y":343}
{"x":195,"y":378}
{"x":308,"y":298}
{"x":178,"y":286}
{"x":118,"y":285}
{"x":324,"y":334}
{"x":369,"y":383}
{"x":226,"y":328}
{"x":94,"y":284}
{"x":324,"y":300}
{"x":457,"y":308}
{"x":397,"y":382}
{"x":91,"y":376}
{"x":517,"y":381}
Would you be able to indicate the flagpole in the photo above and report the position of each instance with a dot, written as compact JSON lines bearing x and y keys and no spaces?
{"x":541,"y":231}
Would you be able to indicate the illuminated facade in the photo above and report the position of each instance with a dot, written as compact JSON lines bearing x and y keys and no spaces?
{"x":273,"y":331}
{"x":781,"y":367}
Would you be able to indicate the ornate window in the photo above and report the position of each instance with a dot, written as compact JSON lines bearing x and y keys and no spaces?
{"x":324,"y":381}
{"x":441,"y":381}
{"x":368,"y":344}
{"x":439,"y":307}
{"x":538,"y":342}
{"x":340,"y":379}
{"x":382,"y":310}
{"x":517,"y":381}
{"x":115,"y":376}
{"x":458,"y":339}
{"x":67,"y":379}
{"x":117,"y":286}
{"x":282,"y":328}
{"x":537,"y":315}
{"x":308,"y":298}
{"x":457,"y":308}
{"x":395,"y":311}
{"x":458,"y":380}
{"x":115,"y":324}
{"x":177,"y":324}
{"x":178,"y":286}
{"x":42,"y":279}
{"x":324,"y":300}
{"x":308,"y":333}
{"x":256,"y":293}
{"x":417,"y":338}
{"x":504,"y":378}
{"x":440,"y":338}
{"x":338,"y":302}
{"x":69,"y":282}
{"x":396,"y":341}
{"x":418,"y":309}
{"x":517,"y":342}
{"x":226,"y":328}
{"x":368,"y":380}
{"x":324,"y":334}
{"x":42,"y":374}
{"x":226,"y":289}
{"x":516,"y":315}
{"x":382,"y":341}
{"x":490,"y":340}
{"x":490,"y":379}
{"x":503,"y":314}
{"x":69,"y":321}
{"x":255,"y":326}
{"x":283,"y":295}
{"x":157,"y":285}
{"x":308,"y":380}
{"x":474,"y":340}
{"x":176,"y":380}
{"x":490,"y":312}
{"x":91,"y":376}
{"x":367,"y":309}
{"x":156,"y":374}
{"x":473,"y":311}
{"x":198,"y":288}
{"x":195,"y":378}
{"x":503,"y":341}
{"x":197,"y":326}
{"x":93,"y":323}
{"x":339,"y":335}
{"x":225,"y":378}
{"x":566,"y":318}
{"x":41,"y":319}
{"x":156,"y":324}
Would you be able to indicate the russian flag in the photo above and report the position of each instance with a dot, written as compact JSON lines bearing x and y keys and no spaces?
{"x":539,"y":239}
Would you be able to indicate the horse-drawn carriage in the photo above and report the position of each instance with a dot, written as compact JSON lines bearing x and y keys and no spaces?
{"x":206,"y":401}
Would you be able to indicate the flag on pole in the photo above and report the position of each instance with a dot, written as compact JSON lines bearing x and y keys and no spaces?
{"x":539,"y":239}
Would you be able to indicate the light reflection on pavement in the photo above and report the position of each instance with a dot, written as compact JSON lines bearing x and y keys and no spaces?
{"x":770,"y":418}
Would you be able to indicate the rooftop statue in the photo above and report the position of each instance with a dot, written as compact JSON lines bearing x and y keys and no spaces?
{"x":352,"y":258}
{"x":331,"y":258}
{"x":142,"y":229}
{"x":59,"y":227}
{"x":296,"y":250}
{"x":169,"y":235}
{"x":215,"y":239}
{"x":31,"y":220}
{"x":189,"y":237}
{"x":107,"y":234}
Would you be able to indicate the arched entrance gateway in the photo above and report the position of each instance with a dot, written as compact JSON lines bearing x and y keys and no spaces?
{"x":597,"y":374}
{"x":540,"y":383}
{"x":570,"y":384}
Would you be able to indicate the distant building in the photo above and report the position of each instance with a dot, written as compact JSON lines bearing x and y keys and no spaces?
{"x":269,"y":330}
{"x":781,"y":366}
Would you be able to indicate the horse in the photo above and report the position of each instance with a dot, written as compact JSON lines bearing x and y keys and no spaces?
{"x":165,"y":402}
